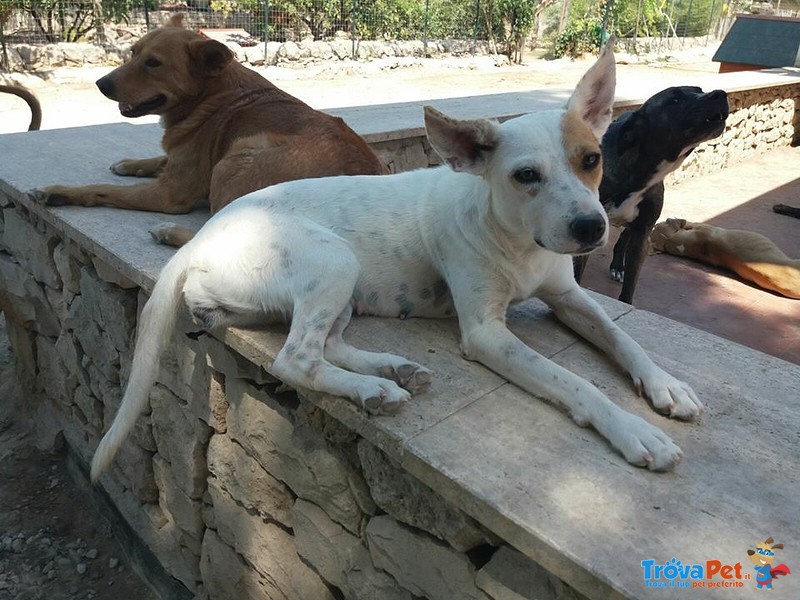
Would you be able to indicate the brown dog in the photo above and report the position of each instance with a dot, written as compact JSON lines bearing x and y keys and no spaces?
{"x":750,"y":255}
{"x":227,"y":130}
{"x":30,"y":100}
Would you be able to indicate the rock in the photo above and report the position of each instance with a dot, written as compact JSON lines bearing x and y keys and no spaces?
{"x":412,"y":502}
{"x":421,"y":564}
{"x":81,"y":568}
{"x":181,"y":440}
{"x":247,"y":482}
{"x":31,"y":249}
{"x":268,"y":548}
{"x":24,"y":301}
{"x":312,"y":468}
{"x":510,"y":575}
{"x":340,"y":557}
{"x":185,"y":512}
{"x":113,"y":563}
{"x":113,"y":308}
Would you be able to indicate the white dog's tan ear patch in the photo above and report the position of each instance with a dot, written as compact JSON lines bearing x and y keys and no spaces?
{"x":463,"y":145}
{"x":593,"y":98}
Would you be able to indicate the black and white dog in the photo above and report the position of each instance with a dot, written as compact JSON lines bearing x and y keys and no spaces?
{"x":640,"y":148}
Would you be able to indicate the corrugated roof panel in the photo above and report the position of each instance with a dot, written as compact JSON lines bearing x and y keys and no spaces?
{"x":762,"y":41}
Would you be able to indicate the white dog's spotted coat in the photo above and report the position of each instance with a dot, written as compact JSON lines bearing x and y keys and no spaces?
{"x":499,"y":226}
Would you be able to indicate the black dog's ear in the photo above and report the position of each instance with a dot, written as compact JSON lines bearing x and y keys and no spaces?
{"x":630,"y":133}
{"x":210,"y":56}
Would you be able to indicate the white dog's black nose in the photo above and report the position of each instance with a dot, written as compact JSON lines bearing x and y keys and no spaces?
{"x":588,"y":229}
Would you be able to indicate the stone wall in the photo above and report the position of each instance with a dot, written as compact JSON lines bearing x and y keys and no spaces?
{"x":40,"y":57}
{"x":239,"y":490}
{"x":760,"y":120}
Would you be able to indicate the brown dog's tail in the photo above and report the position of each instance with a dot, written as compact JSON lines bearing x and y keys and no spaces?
{"x":785,"y":209}
{"x":155,"y":329}
{"x":32,"y":101}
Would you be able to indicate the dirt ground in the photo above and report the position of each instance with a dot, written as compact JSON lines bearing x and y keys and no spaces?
{"x":52,"y":545}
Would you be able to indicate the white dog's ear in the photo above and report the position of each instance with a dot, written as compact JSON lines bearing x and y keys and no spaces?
{"x":464,"y":145}
{"x":593,"y":98}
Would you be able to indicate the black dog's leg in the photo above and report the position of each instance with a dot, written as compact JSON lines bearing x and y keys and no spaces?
{"x":649,"y":211}
{"x":617,"y":269}
{"x":579,"y":265}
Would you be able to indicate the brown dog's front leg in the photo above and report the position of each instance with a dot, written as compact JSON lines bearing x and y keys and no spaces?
{"x":144,"y":167}
{"x":153,"y":197}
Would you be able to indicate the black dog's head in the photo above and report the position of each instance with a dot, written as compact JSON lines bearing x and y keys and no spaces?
{"x":675,"y":121}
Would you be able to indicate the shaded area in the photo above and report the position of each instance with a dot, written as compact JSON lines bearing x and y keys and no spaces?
{"x":717,"y":301}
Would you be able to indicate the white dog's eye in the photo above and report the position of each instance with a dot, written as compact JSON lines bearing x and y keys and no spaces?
{"x":591,"y":160}
{"x":527,"y":175}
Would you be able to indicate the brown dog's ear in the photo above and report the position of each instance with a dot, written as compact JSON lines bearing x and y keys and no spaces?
{"x":593,"y":98}
{"x":210,"y":56}
{"x":777,"y":547}
{"x":463,"y":145}
{"x":769,"y":540}
{"x":175,"y":20}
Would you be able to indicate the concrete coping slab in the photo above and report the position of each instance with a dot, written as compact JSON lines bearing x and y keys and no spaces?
{"x":556,"y":492}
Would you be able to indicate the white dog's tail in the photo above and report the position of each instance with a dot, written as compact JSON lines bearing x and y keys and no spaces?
{"x":155,"y":329}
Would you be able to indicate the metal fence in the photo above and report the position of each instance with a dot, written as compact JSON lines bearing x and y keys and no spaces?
{"x":44,"y":21}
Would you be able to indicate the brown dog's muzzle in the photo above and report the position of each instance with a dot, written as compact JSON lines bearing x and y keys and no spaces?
{"x":106,"y":86}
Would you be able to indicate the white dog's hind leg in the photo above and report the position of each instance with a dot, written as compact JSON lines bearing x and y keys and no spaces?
{"x":301,"y":361}
{"x":407,"y":374}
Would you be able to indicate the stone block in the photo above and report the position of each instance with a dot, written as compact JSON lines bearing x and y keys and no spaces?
{"x":412,"y":502}
{"x":510,"y":575}
{"x":247,"y":481}
{"x":23,"y":345}
{"x":33,"y":250}
{"x":108,"y":274}
{"x":421,"y":564}
{"x":68,"y":268}
{"x":95,"y":344}
{"x":181,"y":439}
{"x":23,"y":300}
{"x":185,"y":512}
{"x":340,"y":557}
{"x":312,"y":468}
{"x":52,"y":378}
{"x":90,"y":406}
{"x":268,"y":548}
{"x":112,"y":308}
{"x":134,"y":465}
{"x":156,"y":531}
{"x":226,"y":575}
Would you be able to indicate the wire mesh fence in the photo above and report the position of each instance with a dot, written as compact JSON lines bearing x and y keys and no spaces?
{"x":507,"y":25}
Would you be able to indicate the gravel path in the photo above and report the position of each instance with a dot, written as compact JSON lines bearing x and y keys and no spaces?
{"x":53,"y":545}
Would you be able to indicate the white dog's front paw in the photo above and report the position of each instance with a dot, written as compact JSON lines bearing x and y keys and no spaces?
{"x":669,"y":395}
{"x":644,"y":445}
{"x":384,"y":398}
{"x":410,"y":376}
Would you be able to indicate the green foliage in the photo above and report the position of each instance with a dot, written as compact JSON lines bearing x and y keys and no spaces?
{"x":580,"y":36}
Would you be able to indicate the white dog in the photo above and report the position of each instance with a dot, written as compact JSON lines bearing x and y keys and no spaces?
{"x":498,"y":226}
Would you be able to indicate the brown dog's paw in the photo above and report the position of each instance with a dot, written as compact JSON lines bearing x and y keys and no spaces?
{"x":48,"y":197}
{"x":126,"y":168}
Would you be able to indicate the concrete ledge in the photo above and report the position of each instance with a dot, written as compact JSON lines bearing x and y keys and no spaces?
{"x":528,"y":477}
